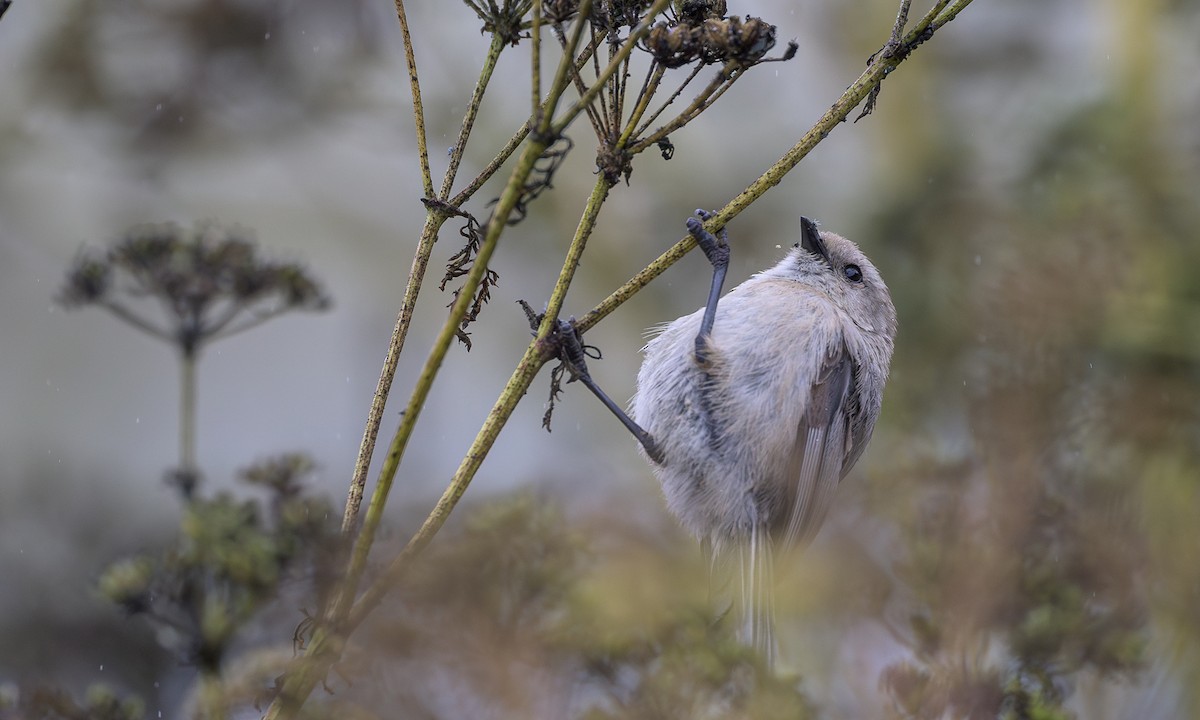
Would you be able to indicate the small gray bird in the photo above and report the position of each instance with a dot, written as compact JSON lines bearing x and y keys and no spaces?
{"x":759,"y":404}
{"x":753,"y":408}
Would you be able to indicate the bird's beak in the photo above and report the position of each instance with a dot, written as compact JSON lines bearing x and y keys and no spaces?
{"x":810,"y":239}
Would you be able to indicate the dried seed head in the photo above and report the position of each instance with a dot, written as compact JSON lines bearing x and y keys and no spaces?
{"x":725,"y":39}
{"x":674,"y":46}
{"x":609,"y":15}
{"x":505,"y":20}
{"x":694,"y":12}
{"x":756,"y":38}
{"x":210,"y":280}
{"x":559,"y":11}
{"x":88,"y":281}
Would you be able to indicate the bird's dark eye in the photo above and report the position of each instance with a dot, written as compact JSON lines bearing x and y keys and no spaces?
{"x":852,"y":273}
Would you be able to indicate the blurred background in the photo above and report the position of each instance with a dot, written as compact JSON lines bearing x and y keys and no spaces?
{"x":1023,"y":528}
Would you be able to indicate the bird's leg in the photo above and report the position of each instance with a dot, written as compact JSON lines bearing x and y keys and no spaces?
{"x":569,"y":348}
{"x":716,"y":249}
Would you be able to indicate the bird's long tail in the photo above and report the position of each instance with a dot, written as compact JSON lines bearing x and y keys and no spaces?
{"x":742,"y":584}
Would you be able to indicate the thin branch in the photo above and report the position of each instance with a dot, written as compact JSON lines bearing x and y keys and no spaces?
{"x":942,"y":13}
{"x":490,"y":169}
{"x":418,"y":109}
{"x":460,"y":145}
{"x":678,"y":91}
{"x":635,"y":36}
{"x":615,"y":93}
{"x":366,"y":449}
{"x":592,"y":113}
{"x":654,"y":75}
{"x":565,"y":66}
{"x":214,"y":327}
{"x":510,"y":147}
{"x":901,"y":21}
{"x":603,"y":99}
{"x":942,"y":19}
{"x":434,"y":220}
{"x":711,"y":93}
{"x":135,"y":320}
{"x":535,"y":356}
{"x":187,"y":412}
{"x":326,"y":643}
{"x":253,"y":321}
{"x":535,"y":34}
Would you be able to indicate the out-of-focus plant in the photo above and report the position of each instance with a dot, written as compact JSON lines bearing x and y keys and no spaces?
{"x":189,"y":288}
{"x":230,"y":561}
{"x":198,"y":76}
{"x":1034,"y":560}
{"x":517,"y":610}
{"x":43,"y":703}
{"x":600,"y":47}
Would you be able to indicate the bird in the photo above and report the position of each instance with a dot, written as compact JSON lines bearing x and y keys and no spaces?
{"x":753,"y":408}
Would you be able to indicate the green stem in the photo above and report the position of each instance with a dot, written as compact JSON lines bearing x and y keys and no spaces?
{"x":410,"y":61}
{"x":837,"y":113}
{"x":724,"y":80}
{"x":485,"y":76}
{"x":325,"y":645}
{"x":614,"y":64}
{"x":536,"y":355}
{"x":433,"y":364}
{"x":535,"y":79}
{"x":648,"y":89}
{"x":501,"y":157}
{"x":565,"y":65}
{"x":512,"y":144}
{"x":434,"y":220}
{"x":366,"y":449}
{"x":187,"y":411}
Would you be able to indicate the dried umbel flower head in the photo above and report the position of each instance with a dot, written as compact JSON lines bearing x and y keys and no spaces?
{"x":559,"y":11}
{"x":694,"y":12}
{"x":747,"y":41}
{"x":609,"y":15}
{"x":88,"y":281}
{"x":713,"y":39}
{"x":211,"y":281}
{"x":673,"y":45}
{"x":506,"y":19}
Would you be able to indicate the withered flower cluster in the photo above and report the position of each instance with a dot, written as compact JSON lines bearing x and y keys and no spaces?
{"x":605,"y":14}
{"x":506,"y":20}
{"x":210,"y":281}
{"x":712,"y":40}
{"x":626,"y":116}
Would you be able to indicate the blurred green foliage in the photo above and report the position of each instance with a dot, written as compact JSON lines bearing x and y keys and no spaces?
{"x":230,"y":562}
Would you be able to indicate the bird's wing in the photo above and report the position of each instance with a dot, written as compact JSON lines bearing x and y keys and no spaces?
{"x":819,"y":453}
